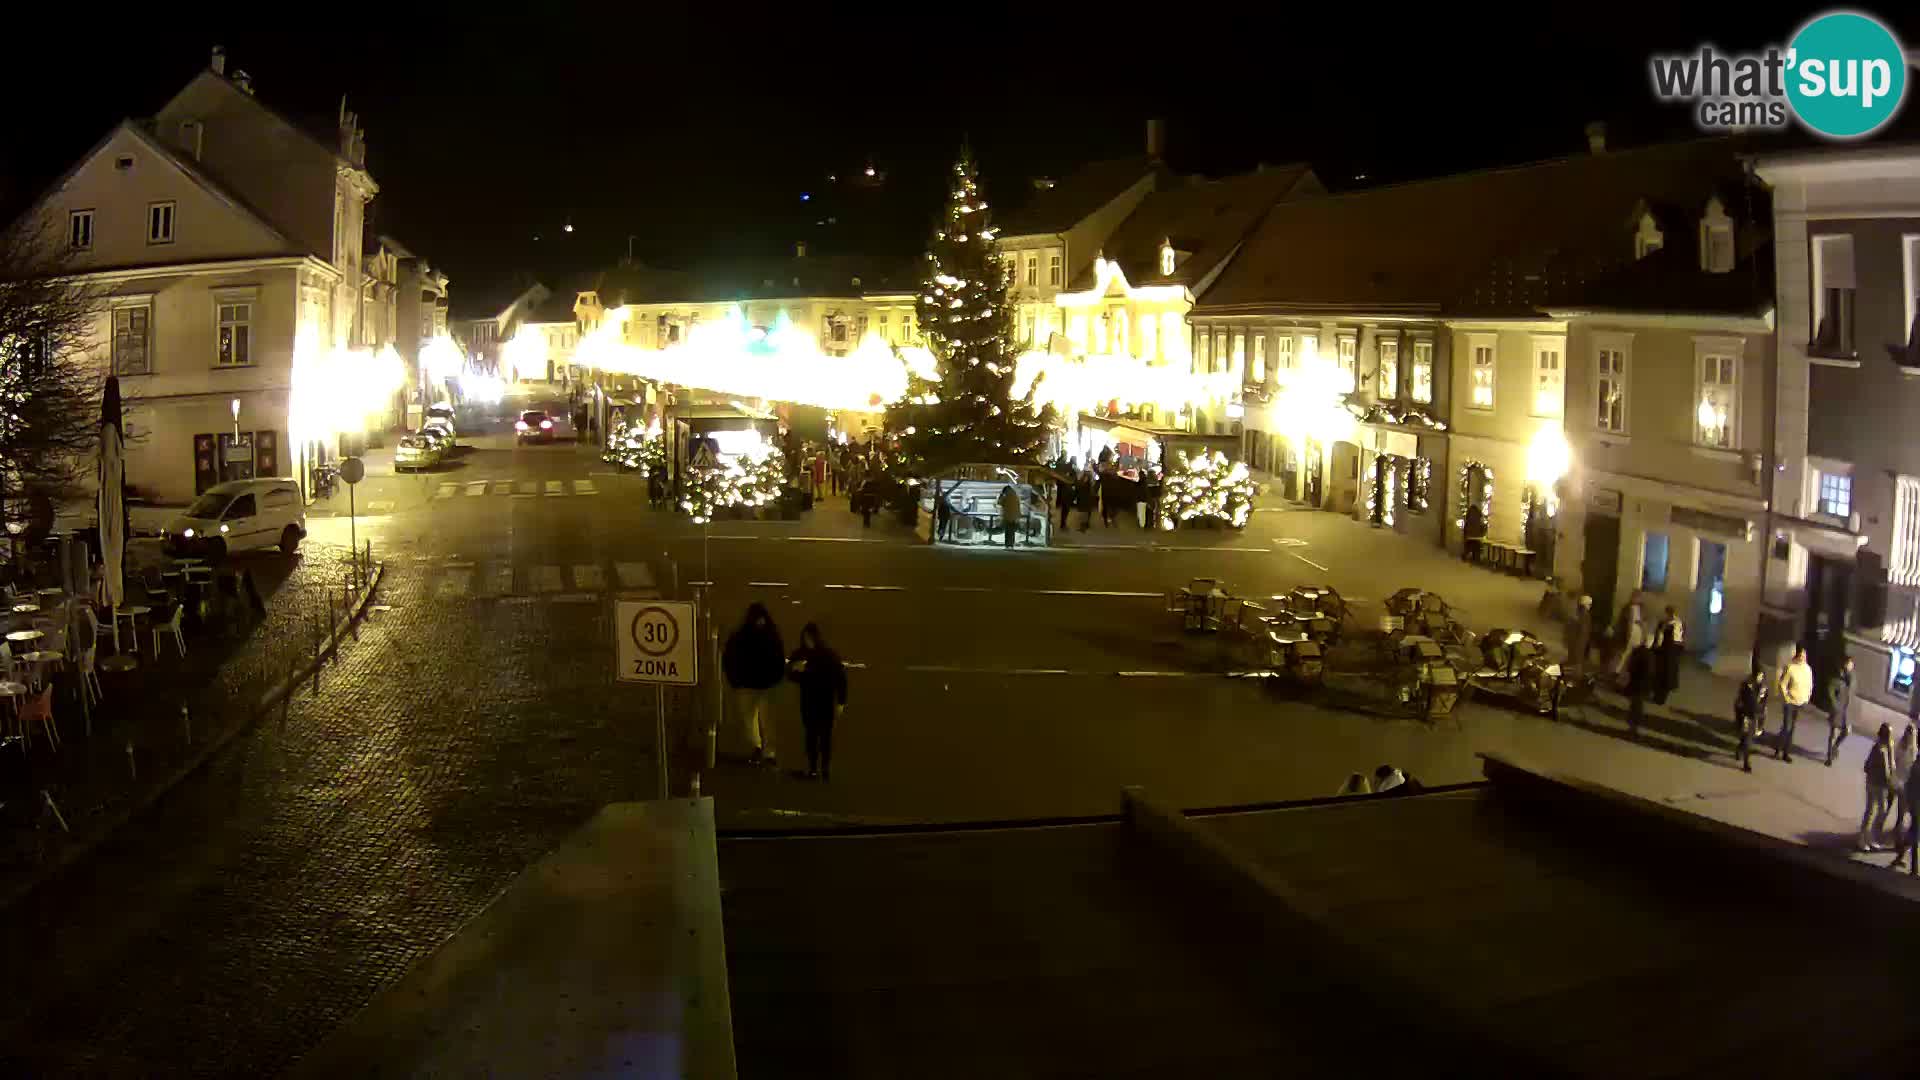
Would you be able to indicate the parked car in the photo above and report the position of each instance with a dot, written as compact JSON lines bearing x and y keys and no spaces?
{"x":240,"y":515}
{"x":534,"y":425}
{"x":440,"y":416}
{"x":421,"y":451}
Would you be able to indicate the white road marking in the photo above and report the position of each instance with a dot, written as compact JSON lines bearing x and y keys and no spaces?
{"x":736,"y":536}
{"x":589,"y":577}
{"x":1040,"y":671}
{"x":380,"y":506}
{"x":546,"y":578}
{"x":1089,"y":592}
{"x":766,"y":584}
{"x":965,"y":588}
{"x":447,"y":491}
{"x":634,"y":575}
{"x":1309,"y":562}
{"x":476,"y":487}
{"x":1153,"y":674}
{"x":830,"y":540}
{"x":585,"y":487}
{"x":1254,"y":550}
{"x":554,"y":487}
{"x":525,"y":487}
{"x":574,"y":598}
{"x":1290,"y":541}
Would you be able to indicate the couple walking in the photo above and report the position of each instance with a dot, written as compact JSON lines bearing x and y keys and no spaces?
{"x":756,"y":662}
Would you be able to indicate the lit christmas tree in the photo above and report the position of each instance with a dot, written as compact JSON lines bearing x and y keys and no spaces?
{"x":969,"y":412}
{"x":741,"y":481}
{"x":1208,"y":486}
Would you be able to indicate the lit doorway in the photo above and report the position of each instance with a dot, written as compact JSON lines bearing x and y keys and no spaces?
{"x":1709,"y":600}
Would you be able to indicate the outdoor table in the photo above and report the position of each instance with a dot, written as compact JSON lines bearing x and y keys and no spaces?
{"x":50,"y":593}
{"x":1202,"y":607}
{"x":26,"y":635}
{"x":40,"y":657}
{"x":13,"y":692}
{"x":132,"y":614}
{"x":188,"y":560}
{"x":1523,"y":556}
{"x":25,"y":609}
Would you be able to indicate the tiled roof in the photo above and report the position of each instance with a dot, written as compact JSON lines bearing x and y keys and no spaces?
{"x":1557,"y":234}
{"x":1067,"y":202}
{"x":1205,"y":219}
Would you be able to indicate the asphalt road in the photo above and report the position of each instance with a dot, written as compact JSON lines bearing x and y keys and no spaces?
{"x":476,"y":723}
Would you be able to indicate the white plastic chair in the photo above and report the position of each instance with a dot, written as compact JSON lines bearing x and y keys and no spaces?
{"x":100,"y":632}
{"x":171,"y":626}
{"x":89,"y":678}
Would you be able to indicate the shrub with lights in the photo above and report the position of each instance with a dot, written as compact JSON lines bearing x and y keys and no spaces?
{"x":630,"y":447}
{"x":1206,"y":487}
{"x":739,"y":483}
{"x":968,"y":411}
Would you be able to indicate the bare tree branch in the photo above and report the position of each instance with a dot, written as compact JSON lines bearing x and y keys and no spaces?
{"x":49,"y":386}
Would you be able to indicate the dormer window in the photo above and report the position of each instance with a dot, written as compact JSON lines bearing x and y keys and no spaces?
{"x":1166,"y":258}
{"x":1716,"y":238}
{"x":1649,"y":238}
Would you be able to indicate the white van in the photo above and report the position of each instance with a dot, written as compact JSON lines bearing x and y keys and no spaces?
{"x":240,"y":515}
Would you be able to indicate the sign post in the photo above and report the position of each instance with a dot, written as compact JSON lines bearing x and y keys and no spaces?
{"x":655,"y":641}
{"x":353,"y":470}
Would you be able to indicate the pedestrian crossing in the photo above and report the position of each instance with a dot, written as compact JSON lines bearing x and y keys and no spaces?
{"x":519,"y":489}
{"x":462,"y":579}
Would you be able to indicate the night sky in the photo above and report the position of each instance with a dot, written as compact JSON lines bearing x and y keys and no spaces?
{"x":697,"y":137}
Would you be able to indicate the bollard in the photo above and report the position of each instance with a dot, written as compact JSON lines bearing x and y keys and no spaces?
{"x":353,"y":626}
{"x":318,"y":637}
{"x":186,"y":722}
{"x":333,"y":630}
{"x":131,"y":767}
{"x":47,"y":797}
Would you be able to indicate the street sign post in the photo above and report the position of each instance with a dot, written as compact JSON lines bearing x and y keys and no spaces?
{"x":353,"y":470}
{"x":655,"y":641}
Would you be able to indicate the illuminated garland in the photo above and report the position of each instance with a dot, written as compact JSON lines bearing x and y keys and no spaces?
{"x":1486,"y":493}
{"x":1382,"y":487}
{"x":1203,"y":487}
{"x":1419,"y":484}
{"x":630,"y":446}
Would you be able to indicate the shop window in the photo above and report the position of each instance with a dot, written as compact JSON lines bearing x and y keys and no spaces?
{"x":1900,"y":672}
{"x":1653,"y":562}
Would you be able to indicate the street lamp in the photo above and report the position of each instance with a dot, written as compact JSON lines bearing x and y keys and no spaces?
{"x":236,"y":419}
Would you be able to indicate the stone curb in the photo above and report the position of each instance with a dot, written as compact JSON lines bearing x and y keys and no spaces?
{"x":113,"y":823}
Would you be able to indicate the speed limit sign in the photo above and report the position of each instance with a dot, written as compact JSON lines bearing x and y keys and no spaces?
{"x":653,"y":642}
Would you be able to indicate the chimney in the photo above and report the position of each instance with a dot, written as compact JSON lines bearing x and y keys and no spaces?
{"x":800,"y":249}
{"x":1156,"y":138}
{"x":1597,"y":137}
{"x":219,"y":60}
{"x":244,"y":81}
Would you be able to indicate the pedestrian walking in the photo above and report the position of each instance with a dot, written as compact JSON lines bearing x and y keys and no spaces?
{"x":823,"y":697}
{"x":868,"y":498}
{"x":819,"y":474}
{"x":1010,"y":512}
{"x":1668,"y":646}
{"x":1109,"y":495}
{"x":1063,"y":494}
{"x":1150,"y":497}
{"x":1629,"y":635}
{"x":1839,"y":701}
{"x":1580,"y":633}
{"x":753,"y":663}
{"x":1085,"y":495}
{"x":1796,"y":689}
{"x":1750,"y":714}
{"x":1640,"y":676}
{"x":943,"y":515}
{"x":1910,"y":841}
{"x":1878,"y":771}
{"x":1905,"y":752}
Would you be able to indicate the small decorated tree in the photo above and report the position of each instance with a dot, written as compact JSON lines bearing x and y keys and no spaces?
{"x":1206,"y":486}
{"x":969,"y":412}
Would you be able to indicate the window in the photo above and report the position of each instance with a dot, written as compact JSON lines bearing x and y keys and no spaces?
{"x":1717,"y":414}
{"x":1283,"y":351}
{"x":80,"y":230}
{"x":1310,"y":347}
{"x":1239,"y":351}
{"x":1716,"y":238}
{"x":1833,"y":291}
{"x":1203,"y":356}
{"x":1013,"y":269}
{"x":1648,"y":239}
{"x":1166,"y":258}
{"x":1610,"y":386}
{"x":242,"y":507}
{"x":1054,"y":269}
{"x":1653,"y":562}
{"x":1420,"y":378}
{"x":160,"y":223}
{"x":1220,"y":352}
{"x":1910,"y":250}
{"x":1033,"y":270}
{"x":1348,"y":359}
{"x":1903,"y":567}
{"x":1481,"y":375}
{"x":1029,"y":325}
{"x":1549,"y":387}
{"x":131,"y":331}
{"x":1386,"y":384}
{"x":1260,"y":359}
{"x":1836,"y":494}
{"x":236,"y":335}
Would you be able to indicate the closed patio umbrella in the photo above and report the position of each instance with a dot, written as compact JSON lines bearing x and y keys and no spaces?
{"x":113,"y":500}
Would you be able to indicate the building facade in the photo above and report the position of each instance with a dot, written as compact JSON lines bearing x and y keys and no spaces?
{"x":1843,"y":573}
{"x":1054,"y":238}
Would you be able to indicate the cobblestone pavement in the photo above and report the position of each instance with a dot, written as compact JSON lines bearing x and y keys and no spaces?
{"x":275,"y":893}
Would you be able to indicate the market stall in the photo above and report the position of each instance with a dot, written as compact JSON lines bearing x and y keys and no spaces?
{"x":972,"y":514}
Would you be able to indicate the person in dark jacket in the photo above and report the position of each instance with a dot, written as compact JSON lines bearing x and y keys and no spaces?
{"x":1109,"y":495}
{"x":823,"y":696}
{"x":1749,"y":713}
{"x":868,"y":498}
{"x":1909,"y":852}
{"x":1086,"y":497}
{"x":1839,"y":700}
{"x":1640,"y":675}
{"x":1668,"y":645}
{"x":1580,"y":633}
{"x":754,"y":662}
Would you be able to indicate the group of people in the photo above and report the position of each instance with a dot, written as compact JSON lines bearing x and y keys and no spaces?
{"x":1642,"y":665}
{"x":1102,"y":487}
{"x":755,"y":664}
{"x":851,"y":469}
